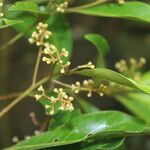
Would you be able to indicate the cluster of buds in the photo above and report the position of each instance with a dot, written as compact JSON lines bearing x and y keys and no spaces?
{"x":131,"y":68}
{"x":88,"y":65}
{"x":89,"y":86}
{"x":102,"y":89}
{"x":62,"y":99}
{"x":121,"y":66}
{"x":15,"y":139}
{"x":41,"y":94}
{"x":121,"y":1}
{"x":1,"y":13}
{"x":40,"y":35}
{"x":62,"y":6}
{"x":55,"y":57}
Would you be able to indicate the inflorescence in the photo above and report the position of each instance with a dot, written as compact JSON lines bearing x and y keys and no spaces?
{"x":131,"y":68}
{"x":62,"y":6}
{"x":1,"y":6}
{"x":89,"y":86}
{"x":64,"y":101}
{"x":53,"y":56}
{"x":39,"y":36}
{"x":121,"y":1}
{"x":88,"y":65}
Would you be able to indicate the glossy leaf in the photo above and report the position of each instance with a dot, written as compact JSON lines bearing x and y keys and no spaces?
{"x":112,"y":144}
{"x":63,"y":118}
{"x":27,"y":6}
{"x":145,"y":78}
{"x":4,"y":23}
{"x":129,"y":10}
{"x":27,"y":26}
{"x":102,"y":47}
{"x":109,"y":75}
{"x":108,"y":144}
{"x":137,"y":103}
{"x":107,"y":124}
{"x":86,"y":106}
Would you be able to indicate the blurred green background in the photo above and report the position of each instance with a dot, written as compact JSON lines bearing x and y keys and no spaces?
{"x":126,"y":38}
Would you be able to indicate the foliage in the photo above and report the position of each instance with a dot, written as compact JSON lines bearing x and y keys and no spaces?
{"x":74,"y":121}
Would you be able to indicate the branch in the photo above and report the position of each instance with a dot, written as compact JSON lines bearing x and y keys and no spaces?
{"x":12,"y":41}
{"x":37,"y":66}
{"x":86,"y":5}
{"x":61,"y":83}
{"x":9,"y":96}
{"x":22,"y":96}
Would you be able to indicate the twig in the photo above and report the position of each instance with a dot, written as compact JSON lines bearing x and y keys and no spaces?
{"x":86,"y":5}
{"x":61,"y":83}
{"x":22,"y":96}
{"x":11,"y":41}
{"x":34,"y":120}
{"x":45,"y":124}
{"x":37,"y":66}
{"x":9,"y":96}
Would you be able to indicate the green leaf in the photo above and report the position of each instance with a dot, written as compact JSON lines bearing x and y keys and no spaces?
{"x":63,"y":118}
{"x":137,"y":103}
{"x":108,"y":144}
{"x":129,"y":10}
{"x":107,"y":124}
{"x":62,"y":34}
{"x":145,"y":78}
{"x":25,"y":6}
{"x":109,"y":75}
{"x":27,"y":26}
{"x":112,"y":144}
{"x":4,"y":23}
{"x":86,"y":106}
{"x":102,"y":47}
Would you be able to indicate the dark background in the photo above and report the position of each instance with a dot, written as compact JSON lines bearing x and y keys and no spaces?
{"x":126,"y":38}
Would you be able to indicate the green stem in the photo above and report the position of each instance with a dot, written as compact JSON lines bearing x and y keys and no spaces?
{"x":61,"y":83}
{"x":22,"y":96}
{"x":37,"y":66}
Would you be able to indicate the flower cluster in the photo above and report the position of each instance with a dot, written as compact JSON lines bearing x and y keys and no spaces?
{"x":121,"y":1}
{"x":40,"y":35}
{"x":89,"y":86}
{"x":121,"y":66}
{"x":62,"y":6}
{"x":131,"y":68}
{"x":102,"y":89}
{"x":41,"y":94}
{"x":53,"y":55}
{"x":1,"y":13}
{"x":56,"y":57}
{"x":63,"y":98}
{"x":64,"y":101}
{"x":88,"y":65}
